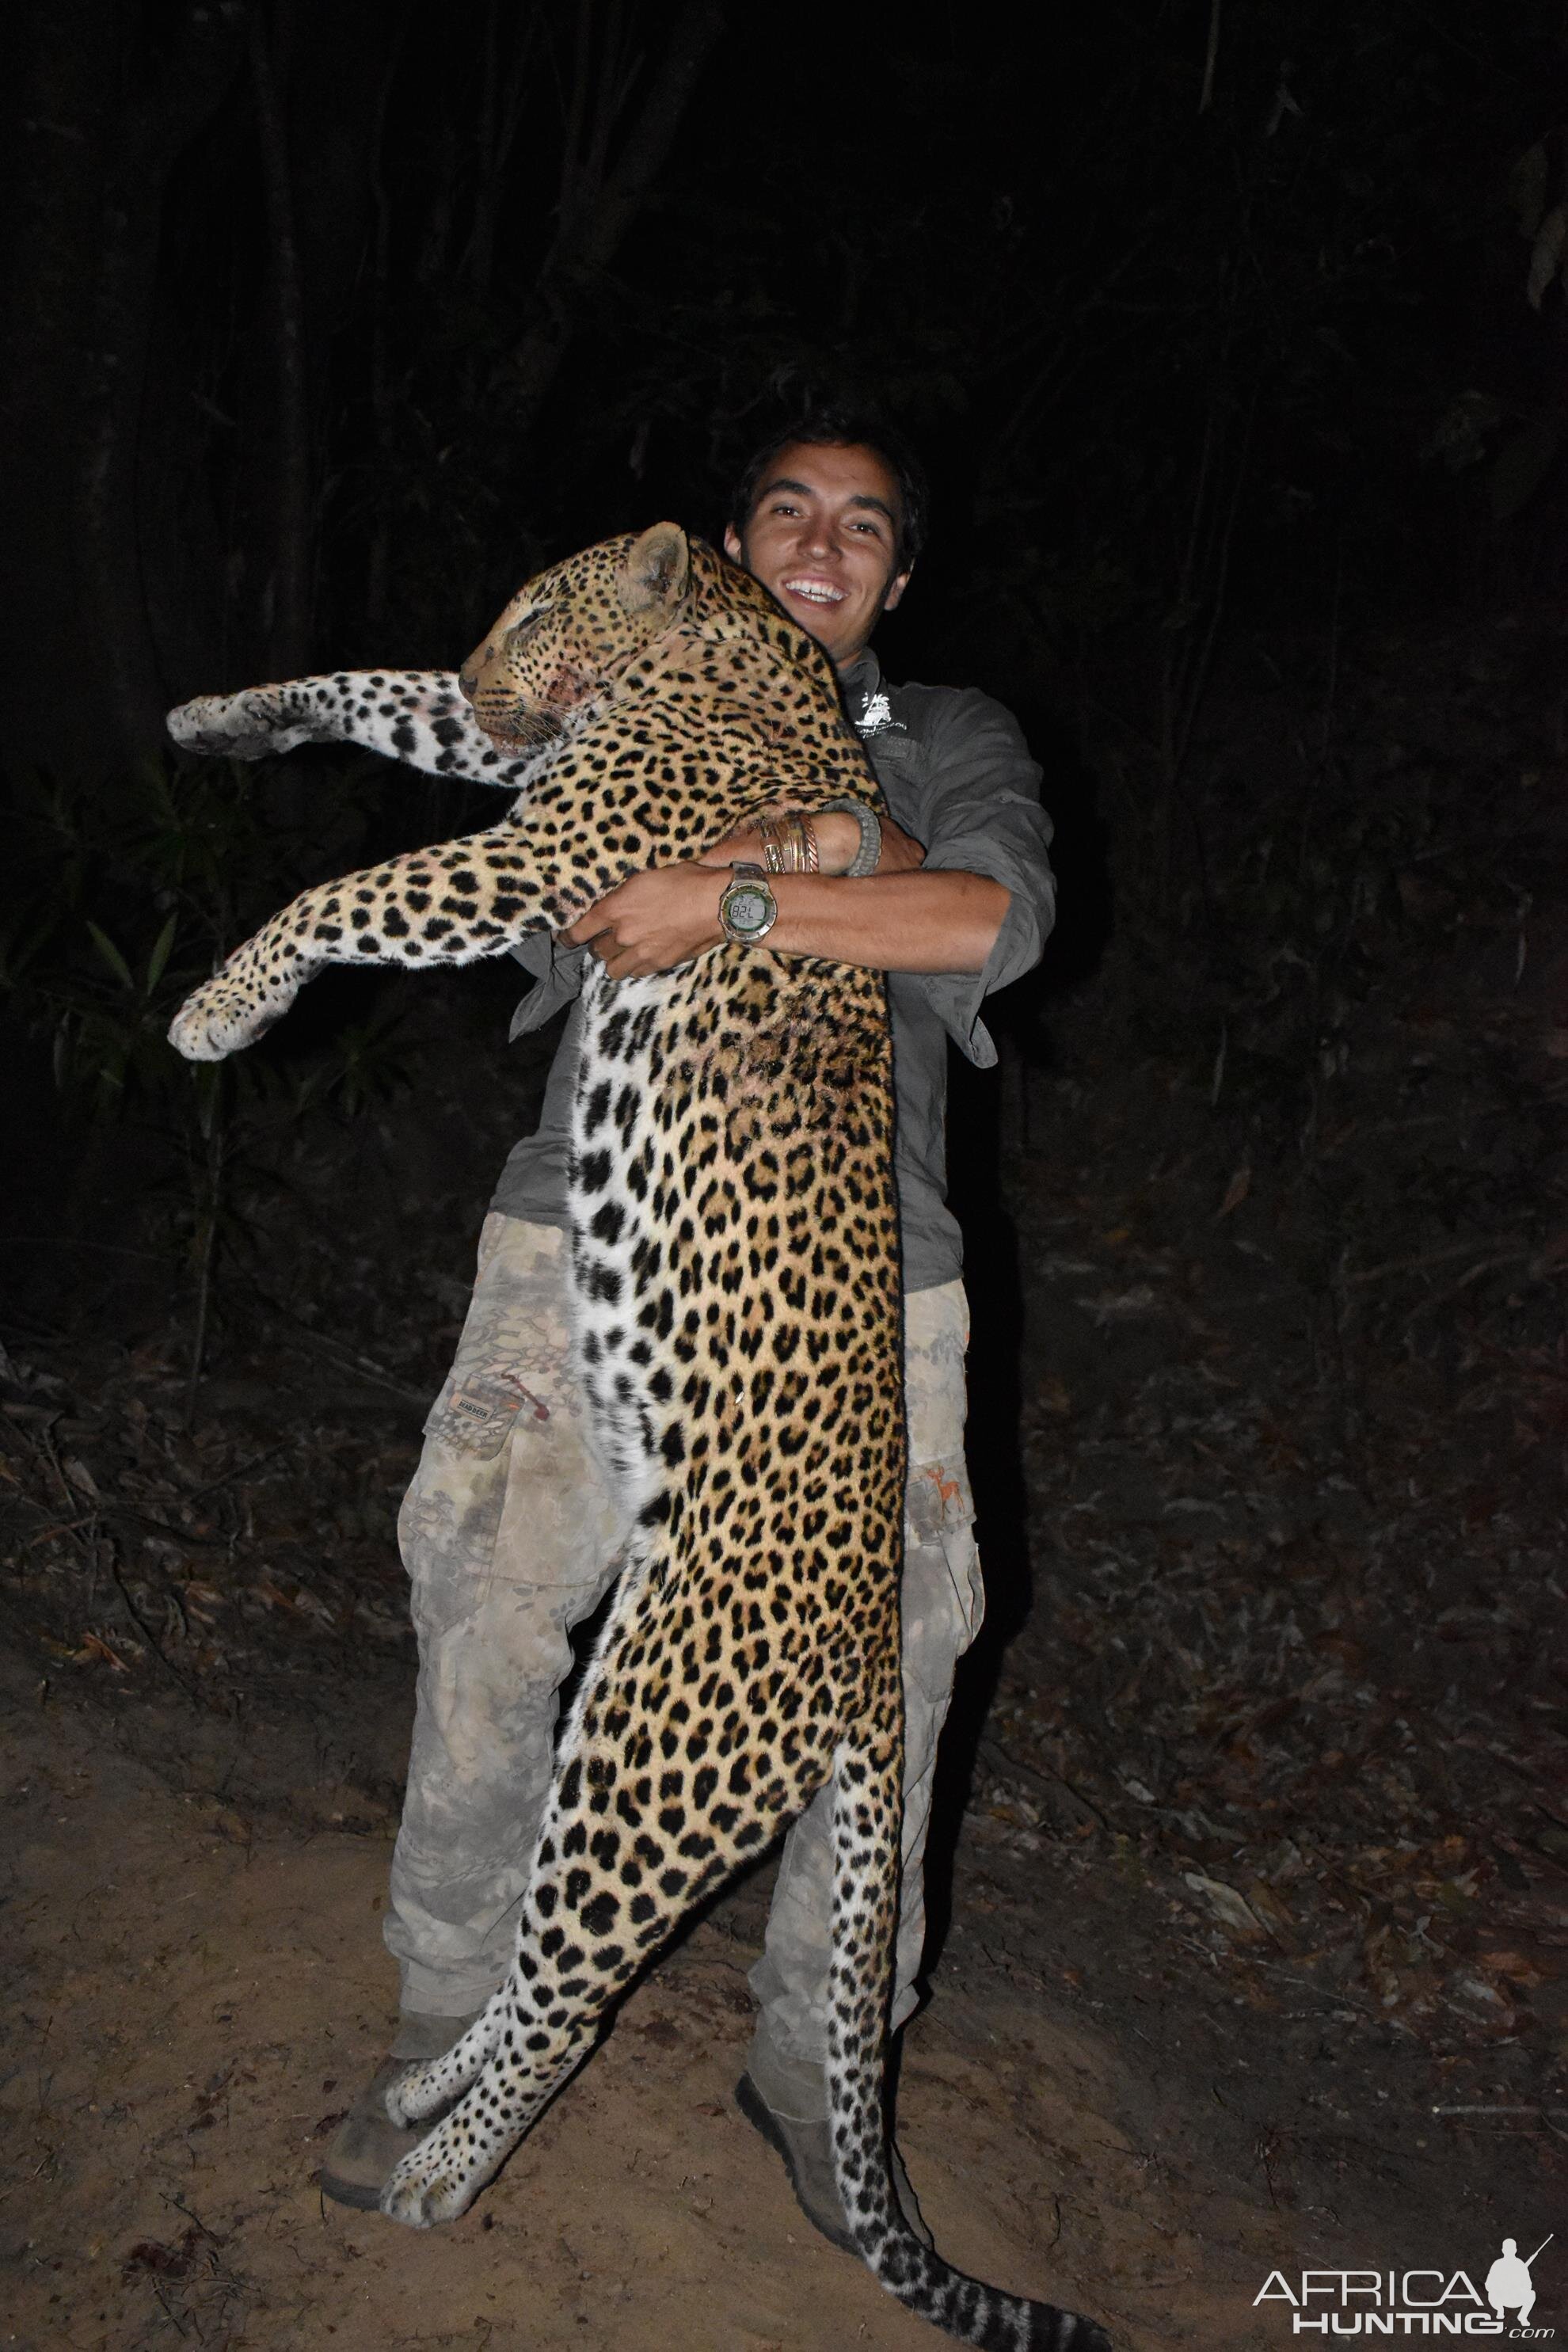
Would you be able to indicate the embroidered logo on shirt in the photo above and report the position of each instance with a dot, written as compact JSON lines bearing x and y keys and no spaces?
{"x":878,"y":716}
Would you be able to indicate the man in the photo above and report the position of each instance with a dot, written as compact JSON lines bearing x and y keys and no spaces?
{"x":508,"y":1532}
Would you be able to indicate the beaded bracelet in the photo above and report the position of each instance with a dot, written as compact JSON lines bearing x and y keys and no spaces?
{"x":869,"y":856}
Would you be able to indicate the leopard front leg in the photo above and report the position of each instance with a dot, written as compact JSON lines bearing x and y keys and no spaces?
{"x":241,"y":1002}
{"x":440,"y":2179}
{"x":623,"y":1855}
{"x":417,"y":715}
{"x":449,"y":905}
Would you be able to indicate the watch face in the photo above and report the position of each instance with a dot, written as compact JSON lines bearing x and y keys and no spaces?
{"x":746,"y":907}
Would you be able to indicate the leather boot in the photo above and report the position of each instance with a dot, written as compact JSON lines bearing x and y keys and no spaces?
{"x":368,"y":2147}
{"x":771,"y":2094}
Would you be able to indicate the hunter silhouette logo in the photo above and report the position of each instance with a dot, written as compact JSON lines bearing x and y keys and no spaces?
{"x":1509,"y":2286}
{"x":1421,"y":2303}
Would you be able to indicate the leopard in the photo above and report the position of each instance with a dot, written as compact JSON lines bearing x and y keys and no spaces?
{"x":737,"y":1299}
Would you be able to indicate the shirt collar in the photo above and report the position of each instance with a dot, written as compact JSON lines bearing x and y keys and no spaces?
{"x":861,"y":681}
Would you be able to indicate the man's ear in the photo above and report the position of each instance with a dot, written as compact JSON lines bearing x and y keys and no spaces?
{"x":657,"y":571}
{"x":896,"y":587}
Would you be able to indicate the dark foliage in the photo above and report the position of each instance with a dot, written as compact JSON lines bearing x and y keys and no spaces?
{"x":332,"y":324}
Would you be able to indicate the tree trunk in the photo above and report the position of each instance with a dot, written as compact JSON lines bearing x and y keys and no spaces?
{"x":288,"y":634}
{"x":54,"y":120}
{"x":594,"y":226}
{"x":95,"y":130}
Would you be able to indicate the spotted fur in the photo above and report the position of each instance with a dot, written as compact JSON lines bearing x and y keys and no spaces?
{"x":735,"y":1268}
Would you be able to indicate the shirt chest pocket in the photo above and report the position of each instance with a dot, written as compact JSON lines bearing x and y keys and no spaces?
{"x":902,"y":769}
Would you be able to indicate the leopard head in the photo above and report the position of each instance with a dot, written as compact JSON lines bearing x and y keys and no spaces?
{"x":570,"y":632}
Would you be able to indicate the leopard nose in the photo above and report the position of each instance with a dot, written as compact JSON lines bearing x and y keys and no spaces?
{"x":468,"y":679}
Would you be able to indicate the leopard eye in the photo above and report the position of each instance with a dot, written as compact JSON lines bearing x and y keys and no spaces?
{"x":521,"y":631}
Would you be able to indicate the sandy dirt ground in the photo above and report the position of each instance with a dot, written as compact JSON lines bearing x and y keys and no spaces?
{"x":196,"y":1989}
{"x":196,"y":1995}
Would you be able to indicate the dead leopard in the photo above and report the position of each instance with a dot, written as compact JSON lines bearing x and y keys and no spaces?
{"x":735,"y":1265}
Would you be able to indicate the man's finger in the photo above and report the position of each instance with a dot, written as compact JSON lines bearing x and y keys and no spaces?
{"x":594,"y":940}
{"x":593,"y":922}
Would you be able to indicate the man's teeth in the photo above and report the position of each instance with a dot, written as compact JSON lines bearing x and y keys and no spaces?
{"x":815,"y":591}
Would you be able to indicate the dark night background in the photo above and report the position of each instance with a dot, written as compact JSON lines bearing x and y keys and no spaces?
{"x":1235,"y":340}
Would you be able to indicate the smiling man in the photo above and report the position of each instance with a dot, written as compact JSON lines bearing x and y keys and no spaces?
{"x":508,"y":1533}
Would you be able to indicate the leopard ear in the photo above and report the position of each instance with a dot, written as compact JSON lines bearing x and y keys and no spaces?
{"x":657,"y":571}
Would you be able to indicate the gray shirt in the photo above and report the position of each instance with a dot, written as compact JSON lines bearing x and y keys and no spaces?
{"x":956,"y":773}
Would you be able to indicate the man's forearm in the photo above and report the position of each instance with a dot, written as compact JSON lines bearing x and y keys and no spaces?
{"x":911,"y":921}
{"x":891,"y":922}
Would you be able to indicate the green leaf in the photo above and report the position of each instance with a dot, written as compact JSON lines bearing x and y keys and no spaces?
{"x":1546,"y":255}
{"x":111,"y":955}
{"x":160,"y":955}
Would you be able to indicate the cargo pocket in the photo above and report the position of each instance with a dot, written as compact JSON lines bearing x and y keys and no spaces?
{"x":943,"y":1597}
{"x":938,"y":1496}
{"x":477,"y":1410}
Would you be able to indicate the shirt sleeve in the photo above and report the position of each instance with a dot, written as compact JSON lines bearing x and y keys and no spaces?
{"x":985,"y":817}
{"x":557,"y":979}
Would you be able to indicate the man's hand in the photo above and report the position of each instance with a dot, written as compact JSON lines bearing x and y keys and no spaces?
{"x":653,"y":921}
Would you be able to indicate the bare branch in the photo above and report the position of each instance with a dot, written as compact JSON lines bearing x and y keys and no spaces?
{"x":1212,"y":59}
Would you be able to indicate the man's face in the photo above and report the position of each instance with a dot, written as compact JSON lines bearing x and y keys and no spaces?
{"x":822,"y":538}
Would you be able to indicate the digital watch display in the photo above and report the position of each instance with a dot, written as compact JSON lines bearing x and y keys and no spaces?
{"x":748,"y":909}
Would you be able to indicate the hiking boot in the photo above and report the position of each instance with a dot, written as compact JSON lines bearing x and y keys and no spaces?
{"x":805,"y":2144}
{"x":368,"y":2147}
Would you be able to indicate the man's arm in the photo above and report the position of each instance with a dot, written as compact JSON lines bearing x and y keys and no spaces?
{"x":981,"y":815}
{"x":889,"y":921}
{"x":969,"y":911}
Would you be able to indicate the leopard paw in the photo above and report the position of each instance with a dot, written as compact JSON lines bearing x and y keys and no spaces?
{"x":403,"y":2105}
{"x":252,"y":725}
{"x":219,"y":1017}
{"x":427,"y":2188}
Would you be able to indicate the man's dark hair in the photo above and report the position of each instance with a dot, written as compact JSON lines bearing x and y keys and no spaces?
{"x":832,"y":426}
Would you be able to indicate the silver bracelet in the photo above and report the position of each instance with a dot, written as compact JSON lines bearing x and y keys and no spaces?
{"x":868,"y":856}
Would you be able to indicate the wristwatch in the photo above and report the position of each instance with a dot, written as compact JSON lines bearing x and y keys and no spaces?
{"x":748,"y":909}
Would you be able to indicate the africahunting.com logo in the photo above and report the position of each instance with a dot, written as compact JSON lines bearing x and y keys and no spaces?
{"x":1412,"y":2302}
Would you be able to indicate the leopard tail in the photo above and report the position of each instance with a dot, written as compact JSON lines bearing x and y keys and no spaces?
{"x":867,"y":1818}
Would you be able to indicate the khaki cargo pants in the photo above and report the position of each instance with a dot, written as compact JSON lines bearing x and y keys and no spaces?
{"x":510,"y":1538}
